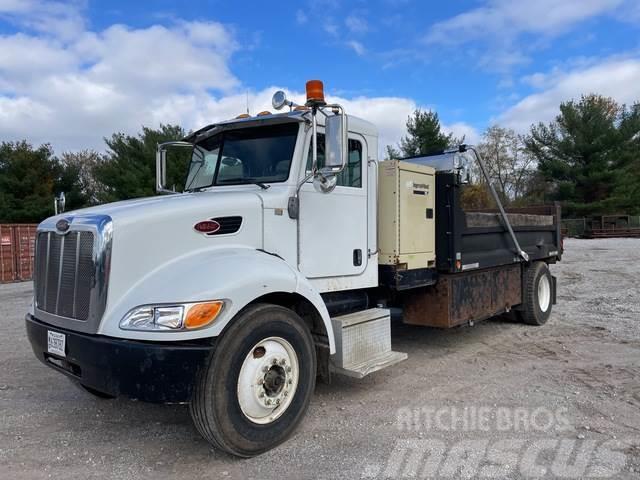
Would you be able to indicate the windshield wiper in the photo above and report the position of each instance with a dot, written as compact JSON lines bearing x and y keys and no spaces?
{"x":241,"y":180}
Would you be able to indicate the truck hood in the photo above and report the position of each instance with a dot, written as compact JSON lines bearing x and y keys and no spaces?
{"x":153,"y":233}
{"x":164,"y":206}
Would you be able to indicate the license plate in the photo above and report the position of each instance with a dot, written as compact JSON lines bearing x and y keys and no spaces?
{"x":56,"y":343}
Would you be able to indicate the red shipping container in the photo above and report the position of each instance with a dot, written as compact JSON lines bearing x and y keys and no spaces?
{"x":17,"y":248}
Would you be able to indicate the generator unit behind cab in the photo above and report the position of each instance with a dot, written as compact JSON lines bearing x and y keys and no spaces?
{"x":406,"y":223}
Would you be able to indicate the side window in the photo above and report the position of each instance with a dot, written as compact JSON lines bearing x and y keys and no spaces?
{"x":351,"y":176}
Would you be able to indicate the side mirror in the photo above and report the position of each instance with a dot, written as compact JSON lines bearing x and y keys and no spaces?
{"x":59,"y":203}
{"x":161,"y":163}
{"x":335,"y":159}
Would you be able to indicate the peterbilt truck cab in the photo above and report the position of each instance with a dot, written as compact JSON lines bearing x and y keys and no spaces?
{"x":213,"y":296}
{"x":276,"y":265}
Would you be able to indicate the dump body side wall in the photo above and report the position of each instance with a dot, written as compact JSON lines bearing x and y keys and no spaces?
{"x":460,"y":247}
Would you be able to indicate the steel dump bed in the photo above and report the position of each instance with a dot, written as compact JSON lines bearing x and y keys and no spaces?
{"x":473,"y":239}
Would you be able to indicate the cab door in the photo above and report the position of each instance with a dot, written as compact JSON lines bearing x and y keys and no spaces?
{"x":333,"y":226}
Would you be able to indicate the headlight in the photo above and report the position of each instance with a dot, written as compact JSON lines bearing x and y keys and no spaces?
{"x":185,"y":316}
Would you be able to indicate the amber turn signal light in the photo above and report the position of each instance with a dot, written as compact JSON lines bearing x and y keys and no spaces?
{"x":202,"y":314}
{"x":315,"y":91}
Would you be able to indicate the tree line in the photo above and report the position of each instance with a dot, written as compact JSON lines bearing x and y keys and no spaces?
{"x":587,"y":158}
{"x":30,"y":177}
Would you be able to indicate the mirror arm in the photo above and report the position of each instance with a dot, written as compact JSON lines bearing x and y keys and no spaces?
{"x":314,"y":140}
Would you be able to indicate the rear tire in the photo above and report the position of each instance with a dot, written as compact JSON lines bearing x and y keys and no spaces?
{"x":537,"y":295}
{"x":258,"y":384}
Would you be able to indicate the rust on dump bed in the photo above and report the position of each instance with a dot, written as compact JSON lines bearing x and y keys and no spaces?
{"x":464,"y":297}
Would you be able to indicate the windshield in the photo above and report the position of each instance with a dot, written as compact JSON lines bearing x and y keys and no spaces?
{"x":248,"y":155}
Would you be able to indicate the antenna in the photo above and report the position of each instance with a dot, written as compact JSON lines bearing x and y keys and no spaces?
{"x":247,"y":102}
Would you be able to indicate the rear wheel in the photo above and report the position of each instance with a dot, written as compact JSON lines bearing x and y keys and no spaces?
{"x":258,"y":384}
{"x":537,"y":295}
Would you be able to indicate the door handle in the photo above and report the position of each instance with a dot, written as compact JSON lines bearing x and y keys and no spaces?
{"x":357,"y":257}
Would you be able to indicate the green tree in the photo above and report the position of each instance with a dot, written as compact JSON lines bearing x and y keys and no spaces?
{"x":626,"y":194}
{"x":128,"y":169}
{"x":28,"y":179}
{"x":425,"y":136}
{"x":392,"y":153}
{"x":585,"y":152}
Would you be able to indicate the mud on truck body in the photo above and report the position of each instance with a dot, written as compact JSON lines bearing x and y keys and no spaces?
{"x":278,"y":264}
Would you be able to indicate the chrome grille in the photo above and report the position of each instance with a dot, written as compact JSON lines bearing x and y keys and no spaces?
{"x":65,"y":273}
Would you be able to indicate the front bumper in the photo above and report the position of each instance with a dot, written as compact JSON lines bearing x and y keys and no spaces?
{"x":147,"y":371}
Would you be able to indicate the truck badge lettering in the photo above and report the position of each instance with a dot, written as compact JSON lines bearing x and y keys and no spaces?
{"x":207,"y":227}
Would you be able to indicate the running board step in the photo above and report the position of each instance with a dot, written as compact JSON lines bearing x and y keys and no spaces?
{"x":363,"y":343}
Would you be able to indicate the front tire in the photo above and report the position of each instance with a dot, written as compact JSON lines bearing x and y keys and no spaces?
{"x":258,"y":384}
{"x":537,"y":295}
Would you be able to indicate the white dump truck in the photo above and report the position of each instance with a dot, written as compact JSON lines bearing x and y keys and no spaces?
{"x":278,"y":263}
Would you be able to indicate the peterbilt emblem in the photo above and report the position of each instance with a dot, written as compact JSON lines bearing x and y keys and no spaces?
{"x":62,"y":225}
{"x":207,"y":227}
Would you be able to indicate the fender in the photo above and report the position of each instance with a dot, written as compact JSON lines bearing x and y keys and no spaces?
{"x":237,"y":275}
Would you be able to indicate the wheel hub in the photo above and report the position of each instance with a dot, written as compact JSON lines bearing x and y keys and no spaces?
{"x":274,"y":380}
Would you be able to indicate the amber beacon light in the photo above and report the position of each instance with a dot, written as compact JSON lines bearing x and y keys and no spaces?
{"x":315,"y":92}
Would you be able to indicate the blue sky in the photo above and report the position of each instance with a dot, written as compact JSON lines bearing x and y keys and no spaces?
{"x":73,"y":72}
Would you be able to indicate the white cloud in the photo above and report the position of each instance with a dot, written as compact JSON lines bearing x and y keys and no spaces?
{"x":72,"y":91}
{"x":462,"y":130}
{"x":356,"y":47}
{"x":617,"y":78}
{"x":502,"y":33}
{"x":72,"y":94}
{"x":50,"y":18}
{"x":356,"y":24}
{"x":331,"y":28}
{"x":507,"y":18}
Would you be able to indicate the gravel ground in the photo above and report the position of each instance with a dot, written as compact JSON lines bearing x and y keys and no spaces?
{"x":582,"y":370}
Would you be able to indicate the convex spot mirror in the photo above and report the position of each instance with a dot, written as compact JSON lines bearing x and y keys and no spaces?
{"x":324,"y":184}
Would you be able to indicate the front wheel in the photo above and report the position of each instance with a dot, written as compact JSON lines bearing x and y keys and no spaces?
{"x":258,"y":383}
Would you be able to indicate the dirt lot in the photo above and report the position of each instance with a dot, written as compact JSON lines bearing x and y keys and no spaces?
{"x":498,"y":399}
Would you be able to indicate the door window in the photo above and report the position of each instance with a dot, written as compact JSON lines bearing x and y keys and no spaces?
{"x":351,"y":176}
